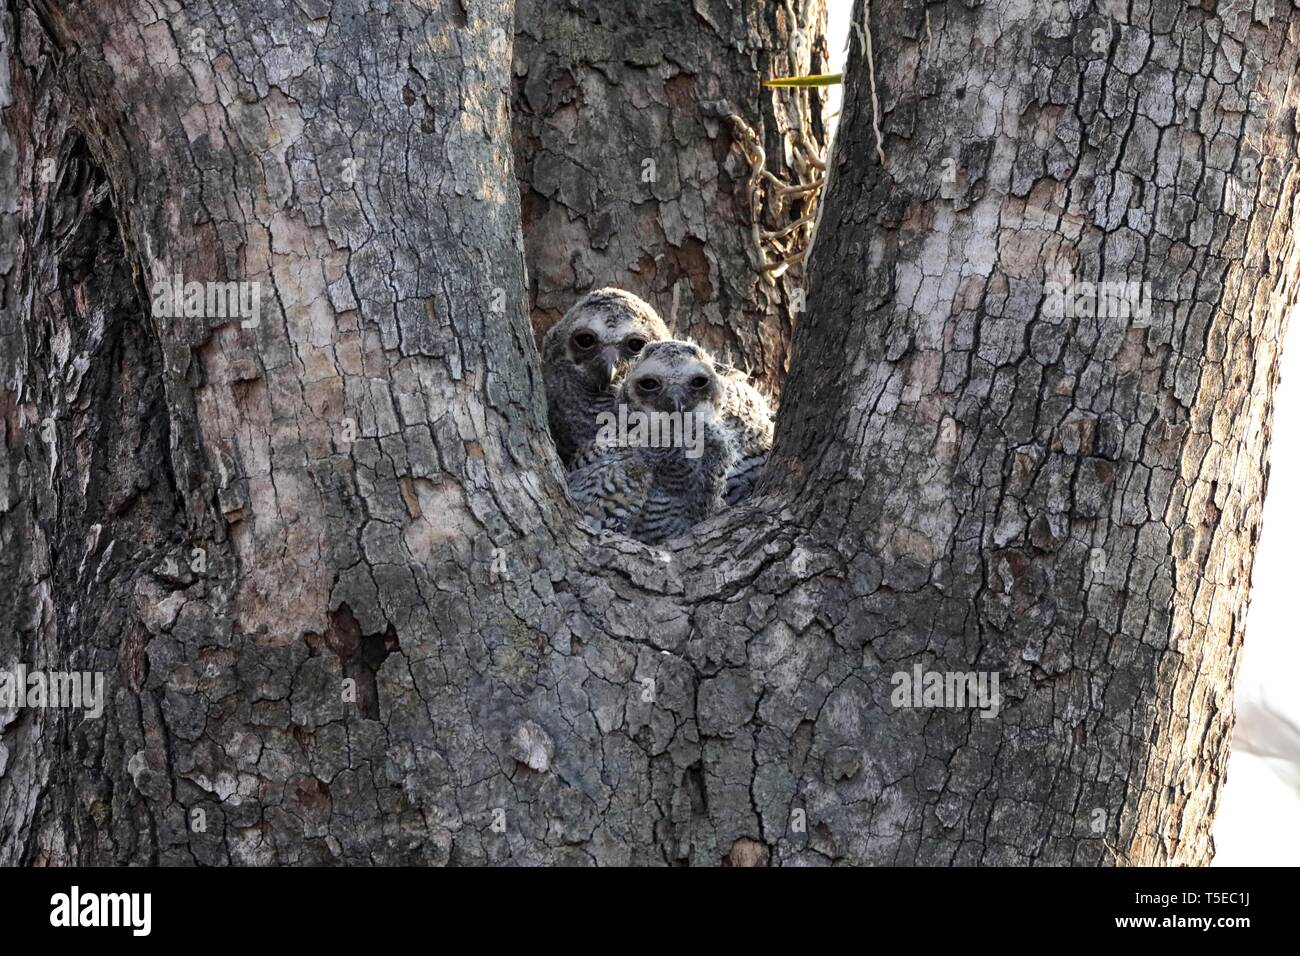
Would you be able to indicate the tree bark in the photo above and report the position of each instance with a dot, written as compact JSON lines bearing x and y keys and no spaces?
{"x":1072,"y":502}
{"x":960,"y":482}
{"x":634,"y":171}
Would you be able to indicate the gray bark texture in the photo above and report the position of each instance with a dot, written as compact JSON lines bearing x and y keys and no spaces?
{"x":961,"y":481}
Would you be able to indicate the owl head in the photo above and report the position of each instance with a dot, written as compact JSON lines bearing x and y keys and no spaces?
{"x":600,"y":335}
{"x":672,"y":376}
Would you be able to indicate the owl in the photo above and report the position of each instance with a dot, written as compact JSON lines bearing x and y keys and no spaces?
{"x":583,"y":356}
{"x":666,"y":467}
{"x":749,"y":419}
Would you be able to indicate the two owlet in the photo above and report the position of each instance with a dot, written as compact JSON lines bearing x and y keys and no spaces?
{"x":656,"y":483}
{"x":583,"y":356}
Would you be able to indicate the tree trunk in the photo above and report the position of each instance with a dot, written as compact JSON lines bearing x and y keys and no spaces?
{"x":240,"y":522}
{"x":1070,"y":501}
{"x":632,"y":123}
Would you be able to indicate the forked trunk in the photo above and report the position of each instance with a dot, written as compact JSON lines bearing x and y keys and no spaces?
{"x":323,"y":553}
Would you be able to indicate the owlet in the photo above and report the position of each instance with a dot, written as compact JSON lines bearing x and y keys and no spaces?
{"x":583,"y":356}
{"x":664,"y":455}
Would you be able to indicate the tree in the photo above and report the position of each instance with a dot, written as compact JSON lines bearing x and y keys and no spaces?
{"x":353,"y":487}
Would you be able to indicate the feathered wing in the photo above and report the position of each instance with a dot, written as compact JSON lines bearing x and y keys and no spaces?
{"x":742,"y":479}
{"x":611,"y":490}
{"x":750,"y":421}
{"x":592,"y":451}
{"x":573,"y":413}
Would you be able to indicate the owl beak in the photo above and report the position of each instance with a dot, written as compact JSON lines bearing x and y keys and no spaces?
{"x":678,"y":401}
{"x":605,"y":365}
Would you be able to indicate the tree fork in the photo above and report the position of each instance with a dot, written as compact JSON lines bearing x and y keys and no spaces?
{"x":961,"y":482}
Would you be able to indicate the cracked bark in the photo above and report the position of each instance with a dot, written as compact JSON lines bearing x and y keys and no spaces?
{"x":368,"y":475}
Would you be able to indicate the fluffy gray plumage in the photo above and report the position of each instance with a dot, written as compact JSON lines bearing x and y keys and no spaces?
{"x":654,"y":494}
{"x":749,"y":419}
{"x":583,"y":357}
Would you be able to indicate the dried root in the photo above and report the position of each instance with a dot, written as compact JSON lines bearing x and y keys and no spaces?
{"x":779,"y":239}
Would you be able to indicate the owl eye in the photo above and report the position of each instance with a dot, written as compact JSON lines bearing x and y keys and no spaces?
{"x":648,"y":384}
{"x":635,"y":345}
{"x":700,"y":381}
{"x":584,"y":340}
